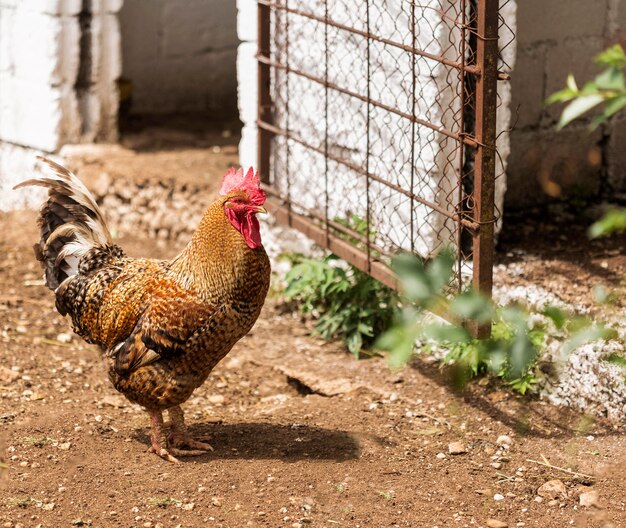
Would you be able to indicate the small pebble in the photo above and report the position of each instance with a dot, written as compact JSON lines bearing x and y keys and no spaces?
{"x":504,"y":440}
{"x":456,"y":448}
{"x":495,"y":523}
{"x":589,"y":498}
{"x":552,"y":489}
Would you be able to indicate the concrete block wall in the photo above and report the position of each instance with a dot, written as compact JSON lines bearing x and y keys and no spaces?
{"x":555,"y":38}
{"x":180,"y":55}
{"x":39,"y":58}
{"x":58,"y":69}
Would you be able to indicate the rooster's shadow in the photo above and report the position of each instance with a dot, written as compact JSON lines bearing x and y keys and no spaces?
{"x":270,"y":441}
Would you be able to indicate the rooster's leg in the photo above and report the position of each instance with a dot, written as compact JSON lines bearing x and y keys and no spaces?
{"x":179,"y":437}
{"x":158,"y":438}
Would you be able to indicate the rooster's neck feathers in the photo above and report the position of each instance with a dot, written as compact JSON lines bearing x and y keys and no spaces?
{"x":216,"y":256}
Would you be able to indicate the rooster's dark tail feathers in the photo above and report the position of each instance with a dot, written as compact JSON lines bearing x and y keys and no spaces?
{"x":71,"y":224}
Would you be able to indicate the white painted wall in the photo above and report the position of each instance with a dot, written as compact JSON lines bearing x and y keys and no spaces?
{"x":180,"y":54}
{"x":41,"y":108}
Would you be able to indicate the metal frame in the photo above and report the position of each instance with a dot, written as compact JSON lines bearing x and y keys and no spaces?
{"x":474,"y":211}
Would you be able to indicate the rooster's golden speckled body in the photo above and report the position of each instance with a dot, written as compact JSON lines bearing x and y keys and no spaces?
{"x":163,"y":325}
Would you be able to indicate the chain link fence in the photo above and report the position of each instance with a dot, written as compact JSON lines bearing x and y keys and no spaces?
{"x":377,"y":127}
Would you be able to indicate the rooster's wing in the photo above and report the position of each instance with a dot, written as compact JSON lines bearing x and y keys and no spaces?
{"x":168,"y":327}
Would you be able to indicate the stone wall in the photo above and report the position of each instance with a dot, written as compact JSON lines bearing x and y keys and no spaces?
{"x":555,"y":38}
{"x":180,"y":55}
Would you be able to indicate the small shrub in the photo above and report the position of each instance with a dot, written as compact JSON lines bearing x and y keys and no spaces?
{"x":347,"y":303}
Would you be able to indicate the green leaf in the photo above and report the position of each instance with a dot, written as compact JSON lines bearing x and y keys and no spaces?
{"x":473,"y":306}
{"x":611,"y":108}
{"x":366,"y":329}
{"x":578,"y":107}
{"x":618,"y":360}
{"x":399,"y":341}
{"x":614,"y":221}
{"x":611,"y":79}
{"x":571,"y":83}
{"x":522,"y":355}
{"x":355,"y":343}
{"x":446,"y":333}
{"x":559,"y":317}
{"x":587,"y":335}
{"x":613,"y":56}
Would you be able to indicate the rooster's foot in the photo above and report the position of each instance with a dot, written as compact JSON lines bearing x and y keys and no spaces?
{"x":193,"y":447}
{"x":164,"y":453}
{"x":180,"y":438}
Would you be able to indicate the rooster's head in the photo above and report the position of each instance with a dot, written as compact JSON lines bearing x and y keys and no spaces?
{"x":244,"y":198}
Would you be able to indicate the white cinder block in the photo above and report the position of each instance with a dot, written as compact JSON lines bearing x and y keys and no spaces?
{"x":18,"y":164}
{"x":107,"y":6}
{"x":71,"y":121}
{"x":10,"y":3}
{"x":30,"y":113}
{"x":248,"y":146}
{"x":56,"y":7}
{"x":49,"y":7}
{"x":390,"y":138}
{"x":247,"y":82}
{"x":6,"y":43}
{"x":247,"y":26}
{"x":36,"y":46}
{"x":508,"y":46}
{"x":69,"y":60}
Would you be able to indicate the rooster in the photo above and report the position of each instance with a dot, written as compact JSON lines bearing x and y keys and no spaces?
{"x":162,"y":325}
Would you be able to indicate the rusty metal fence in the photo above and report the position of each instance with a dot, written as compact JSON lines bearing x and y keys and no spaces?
{"x":377,"y":127}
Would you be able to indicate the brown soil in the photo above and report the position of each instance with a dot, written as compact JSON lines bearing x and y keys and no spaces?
{"x":304,"y":435}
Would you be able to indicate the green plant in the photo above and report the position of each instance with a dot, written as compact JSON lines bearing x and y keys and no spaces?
{"x":613,"y":221}
{"x":608,"y":89}
{"x":510,"y":352}
{"x":387,"y":495}
{"x":347,"y":303}
{"x":358,"y":224}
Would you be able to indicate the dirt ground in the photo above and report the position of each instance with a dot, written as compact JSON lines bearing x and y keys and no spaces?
{"x":304,"y":435}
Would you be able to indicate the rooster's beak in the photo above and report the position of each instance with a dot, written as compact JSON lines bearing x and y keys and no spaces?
{"x":261,"y":209}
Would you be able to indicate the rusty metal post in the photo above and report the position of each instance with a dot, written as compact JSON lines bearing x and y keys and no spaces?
{"x":485,"y":162}
{"x":264,"y":113}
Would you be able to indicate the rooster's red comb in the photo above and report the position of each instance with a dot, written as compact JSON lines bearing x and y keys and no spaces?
{"x":235,"y":179}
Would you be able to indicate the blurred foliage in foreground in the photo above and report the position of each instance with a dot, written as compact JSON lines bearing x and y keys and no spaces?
{"x":608,"y":91}
{"x":516,"y":340}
